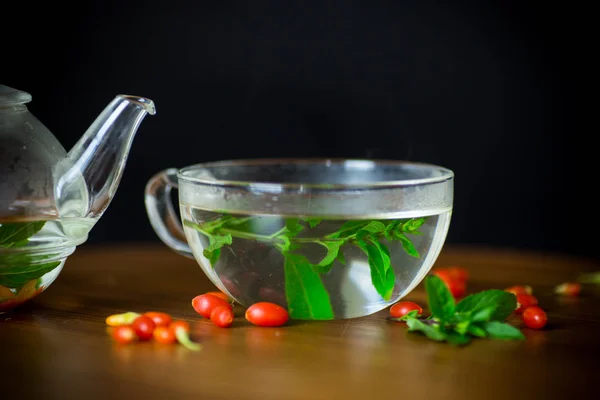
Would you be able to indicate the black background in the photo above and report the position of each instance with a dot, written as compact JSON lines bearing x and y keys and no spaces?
{"x":485,"y":88}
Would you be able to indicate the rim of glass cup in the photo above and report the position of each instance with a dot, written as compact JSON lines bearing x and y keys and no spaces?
{"x":445,"y":174}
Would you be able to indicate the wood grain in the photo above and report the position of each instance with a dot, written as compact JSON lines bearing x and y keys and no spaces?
{"x":57,"y":346}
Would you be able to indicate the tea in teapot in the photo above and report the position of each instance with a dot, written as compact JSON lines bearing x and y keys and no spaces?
{"x":50,"y":199}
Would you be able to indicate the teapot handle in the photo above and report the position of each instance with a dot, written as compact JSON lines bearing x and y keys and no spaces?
{"x":163,"y":218}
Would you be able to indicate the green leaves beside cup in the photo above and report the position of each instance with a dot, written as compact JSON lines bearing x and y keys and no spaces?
{"x":478,"y":315}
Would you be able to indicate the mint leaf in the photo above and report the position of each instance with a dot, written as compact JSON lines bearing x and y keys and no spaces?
{"x":365,"y":234}
{"x":293,"y":227}
{"x":16,"y":234}
{"x":413,"y":224}
{"x":457,"y":339}
{"x":218,"y":241}
{"x":313,"y":222}
{"x":411,"y":314}
{"x":213,"y":251}
{"x":592,"y":277}
{"x":441,"y":302}
{"x":475,"y":316}
{"x":340,"y":257}
{"x":212,"y":256}
{"x":20,"y":243}
{"x":462,"y":327}
{"x":371,"y":227}
{"x":215,"y":240}
{"x":389,"y":231}
{"x":348,"y":229}
{"x":333,"y":248}
{"x":502,"y":330}
{"x":458,"y":318}
{"x":24,"y":270}
{"x":306,"y":295}
{"x":431,"y":331}
{"x":213,"y":225}
{"x":483,"y":314}
{"x":476,"y":330}
{"x":382,"y":275}
{"x":407,"y":245}
{"x":504,"y":303}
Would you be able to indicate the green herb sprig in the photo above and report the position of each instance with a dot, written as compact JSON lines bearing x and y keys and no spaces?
{"x":305,"y":293}
{"x":479,"y":315}
{"x":590,"y":278}
{"x":16,"y":269}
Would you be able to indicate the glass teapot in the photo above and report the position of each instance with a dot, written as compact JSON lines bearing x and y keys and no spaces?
{"x":50,"y":199}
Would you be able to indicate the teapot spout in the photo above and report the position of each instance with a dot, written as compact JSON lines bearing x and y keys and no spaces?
{"x":87,"y":179}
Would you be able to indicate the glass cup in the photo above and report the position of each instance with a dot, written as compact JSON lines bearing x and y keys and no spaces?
{"x":324,"y":238}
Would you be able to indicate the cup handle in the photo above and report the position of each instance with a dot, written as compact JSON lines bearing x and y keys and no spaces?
{"x":163,"y":217}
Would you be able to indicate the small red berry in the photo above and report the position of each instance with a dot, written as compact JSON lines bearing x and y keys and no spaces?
{"x":204,"y":304}
{"x":458,"y":288}
{"x":179,"y":325}
{"x":534,"y":317}
{"x":267,"y":314}
{"x":123,"y":334}
{"x":519,"y":289}
{"x":220,"y":295}
{"x":443,"y":274}
{"x":144,"y":327}
{"x":524,"y":301}
{"x":571,"y":289}
{"x":222,"y":316}
{"x":159,"y":318}
{"x":402,"y":308}
{"x":458,"y":273}
{"x":164,"y":335}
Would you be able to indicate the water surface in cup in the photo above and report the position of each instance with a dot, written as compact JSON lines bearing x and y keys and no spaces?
{"x":318,"y":268}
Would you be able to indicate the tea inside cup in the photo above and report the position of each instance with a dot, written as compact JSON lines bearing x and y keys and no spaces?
{"x":327,"y":239}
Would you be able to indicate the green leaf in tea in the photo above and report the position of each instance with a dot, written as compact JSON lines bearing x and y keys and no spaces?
{"x":382,"y":275}
{"x":19,"y":275}
{"x":407,"y":245}
{"x":313,"y":222}
{"x":23,"y":271}
{"x":348,"y":229}
{"x":413,"y":224}
{"x":213,"y":251}
{"x":340,"y":257}
{"x":292,"y":227}
{"x":302,"y":276}
{"x":333,"y":251}
{"x":371,"y":227}
{"x":18,"y":269}
{"x":16,"y":234}
{"x":306,"y":295}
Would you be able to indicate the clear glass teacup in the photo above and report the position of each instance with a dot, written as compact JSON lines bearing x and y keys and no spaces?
{"x":324,"y":238}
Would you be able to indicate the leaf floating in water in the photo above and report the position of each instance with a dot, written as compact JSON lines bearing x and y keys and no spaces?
{"x":16,"y":234}
{"x":306,"y":295}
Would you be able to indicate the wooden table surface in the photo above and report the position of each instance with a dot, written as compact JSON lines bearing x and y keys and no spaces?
{"x":57,"y":346}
